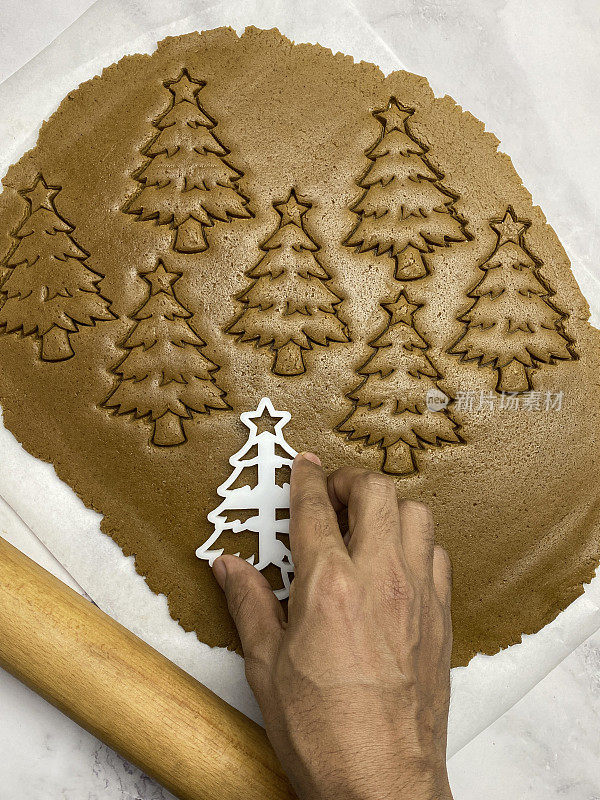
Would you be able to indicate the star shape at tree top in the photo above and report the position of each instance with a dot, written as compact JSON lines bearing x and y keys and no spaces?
{"x":160,"y":280}
{"x":41,"y":195}
{"x":510,"y":228}
{"x":401,"y":310}
{"x":265,"y":419}
{"x":393,"y":117}
{"x":185,"y":87}
{"x":292,"y":209}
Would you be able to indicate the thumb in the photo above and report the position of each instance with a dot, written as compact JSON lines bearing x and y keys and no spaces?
{"x":256,"y":611}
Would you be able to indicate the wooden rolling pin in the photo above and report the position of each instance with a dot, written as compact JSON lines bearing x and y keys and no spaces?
{"x":127,"y":694}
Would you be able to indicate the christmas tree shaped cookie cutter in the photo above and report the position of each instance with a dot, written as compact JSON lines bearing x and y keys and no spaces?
{"x":268,"y":451}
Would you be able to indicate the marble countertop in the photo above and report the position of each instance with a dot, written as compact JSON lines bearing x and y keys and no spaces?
{"x":546,"y":746}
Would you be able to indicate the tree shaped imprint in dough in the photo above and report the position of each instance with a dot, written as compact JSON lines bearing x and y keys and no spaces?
{"x":512,"y":325}
{"x":187,"y":182}
{"x":164,"y":376}
{"x":393,"y":406}
{"x":404,"y":209}
{"x":290,"y":305}
{"x":47,"y":289}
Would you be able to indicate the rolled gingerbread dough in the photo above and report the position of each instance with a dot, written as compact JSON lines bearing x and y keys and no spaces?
{"x":234,"y":218}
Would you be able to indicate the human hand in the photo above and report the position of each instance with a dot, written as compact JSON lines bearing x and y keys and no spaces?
{"x":354,"y":687}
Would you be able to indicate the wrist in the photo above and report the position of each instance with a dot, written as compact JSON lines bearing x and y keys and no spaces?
{"x":424,"y":784}
{"x":409,"y":784}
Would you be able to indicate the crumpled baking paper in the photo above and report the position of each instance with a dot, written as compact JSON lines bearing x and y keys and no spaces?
{"x":468,"y":49}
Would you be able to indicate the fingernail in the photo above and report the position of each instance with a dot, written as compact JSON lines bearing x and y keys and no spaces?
{"x":220,"y":572}
{"x":311,"y":457}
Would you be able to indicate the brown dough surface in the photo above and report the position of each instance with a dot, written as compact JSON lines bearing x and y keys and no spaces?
{"x":516,"y":502}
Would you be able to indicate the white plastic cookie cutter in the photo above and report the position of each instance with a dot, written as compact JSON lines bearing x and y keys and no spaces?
{"x":267,"y":497}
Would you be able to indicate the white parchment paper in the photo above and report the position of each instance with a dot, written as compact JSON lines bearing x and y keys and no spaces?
{"x":469,"y":49}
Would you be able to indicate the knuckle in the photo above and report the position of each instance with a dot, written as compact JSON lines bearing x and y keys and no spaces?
{"x":347,"y":474}
{"x":416,"y":509}
{"x":335,"y":586}
{"x":311,"y":504}
{"x":378,"y":484}
{"x":342,"y":473}
{"x":341,"y":587}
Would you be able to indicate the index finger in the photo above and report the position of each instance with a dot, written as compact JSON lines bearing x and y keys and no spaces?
{"x":313,"y":521}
